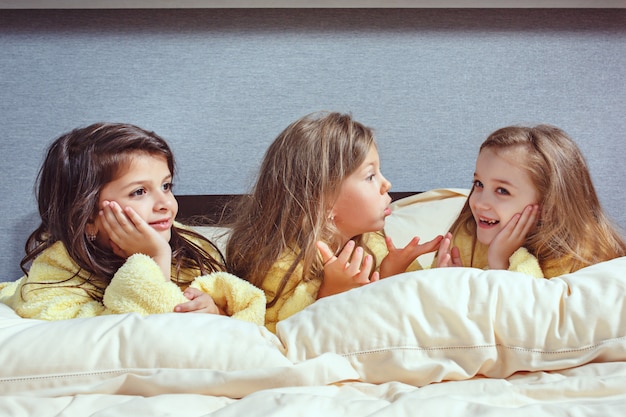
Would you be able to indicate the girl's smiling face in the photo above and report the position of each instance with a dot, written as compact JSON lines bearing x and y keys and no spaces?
{"x":145,"y":186}
{"x":502,"y":188}
{"x":363,"y":201}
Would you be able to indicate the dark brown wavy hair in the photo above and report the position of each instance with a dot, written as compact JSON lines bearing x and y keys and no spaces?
{"x":76,"y":167}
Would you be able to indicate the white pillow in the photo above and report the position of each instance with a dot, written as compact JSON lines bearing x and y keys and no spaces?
{"x":425,"y":215}
{"x":456,"y":323}
{"x":135,"y":355}
{"x":216,"y":234}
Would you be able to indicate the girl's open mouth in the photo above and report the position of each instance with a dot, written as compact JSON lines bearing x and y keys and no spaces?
{"x":487,"y":222}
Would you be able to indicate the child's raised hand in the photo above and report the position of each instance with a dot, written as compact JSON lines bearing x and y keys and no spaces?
{"x":512,"y":237}
{"x":130,"y":234}
{"x":199,"y":302}
{"x":349,"y":270}
{"x":398,"y":260}
{"x":448,"y":255}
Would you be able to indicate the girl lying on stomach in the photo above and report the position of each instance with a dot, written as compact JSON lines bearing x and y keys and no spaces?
{"x":108,"y":242}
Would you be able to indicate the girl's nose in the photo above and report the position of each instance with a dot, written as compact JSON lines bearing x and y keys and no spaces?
{"x":164,"y":202}
{"x":386,"y":185}
{"x":481,"y":201}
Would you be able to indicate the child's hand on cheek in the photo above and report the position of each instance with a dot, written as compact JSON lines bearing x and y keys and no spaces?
{"x":512,"y":237}
{"x":351,"y":269}
{"x":398,"y":260}
{"x":130,"y":234}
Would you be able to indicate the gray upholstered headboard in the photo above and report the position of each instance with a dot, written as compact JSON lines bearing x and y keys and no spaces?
{"x":207,"y":209}
{"x":220,"y":84}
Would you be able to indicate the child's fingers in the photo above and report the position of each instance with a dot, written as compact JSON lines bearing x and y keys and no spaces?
{"x":117,"y":250}
{"x":509,"y":229}
{"x":199,"y":302}
{"x":136,"y":222}
{"x":194,"y":306}
{"x":356,"y":260}
{"x":456,"y":257}
{"x":107,"y":215}
{"x":526,"y":220}
{"x":529,"y":219}
{"x":443,"y":260}
{"x":110,"y":223}
{"x":120,"y":216}
{"x":186,"y":307}
{"x":346,"y":253}
{"x":431,"y":245}
{"x":389,"y":242}
{"x":444,"y":245}
{"x":521,"y":226}
{"x":413,"y":243}
{"x":325,"y":252}
{"x":363,"y":275}
{"x":443,"y":255}
{"x":192,"y":293}
{"x":114,"y":219}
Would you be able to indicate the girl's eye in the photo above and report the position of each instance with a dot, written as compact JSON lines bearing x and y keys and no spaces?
{"x":371,"y":177}
{"x":138,"y":192}
{"x":502,"y":191}
{"x":168,"y":186}
{"x":477,"y":184}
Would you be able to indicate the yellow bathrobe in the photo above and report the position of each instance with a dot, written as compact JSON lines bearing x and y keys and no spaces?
{"x":53,"y":291}
{"x":299,"y":294}
{"x":521,"y":260}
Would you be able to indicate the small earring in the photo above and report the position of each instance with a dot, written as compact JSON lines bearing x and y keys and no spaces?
{"x":91,"y":237}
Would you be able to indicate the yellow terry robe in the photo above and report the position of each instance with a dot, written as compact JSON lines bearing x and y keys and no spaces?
{"x":299,"y":294}
{"x":521,"y":260}
{"x":54,"y":289}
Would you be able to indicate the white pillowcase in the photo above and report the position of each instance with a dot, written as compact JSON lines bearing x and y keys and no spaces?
{"x":456,"y":323}
{"x":135,"y":355}
{"x":217,"y":235}
{"x":425,"y":215}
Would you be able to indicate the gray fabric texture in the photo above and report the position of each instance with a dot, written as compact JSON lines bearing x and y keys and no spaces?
{"x":220,"y":84}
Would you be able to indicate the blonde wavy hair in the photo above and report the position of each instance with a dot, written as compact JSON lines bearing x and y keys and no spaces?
{"x":297,"y":185}
{"x":572,"y":223}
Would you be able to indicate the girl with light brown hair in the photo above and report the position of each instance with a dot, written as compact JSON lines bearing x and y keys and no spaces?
{"x":532,"y":208}
{"x":309,"y":227}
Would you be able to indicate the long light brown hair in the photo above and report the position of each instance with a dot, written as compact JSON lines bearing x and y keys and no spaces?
{"x":297,"y":185}
{"x":572,"y":223}
{"x":77,"y":166}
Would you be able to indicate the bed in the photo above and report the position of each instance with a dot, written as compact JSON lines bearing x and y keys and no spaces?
{"x":452,"y":341}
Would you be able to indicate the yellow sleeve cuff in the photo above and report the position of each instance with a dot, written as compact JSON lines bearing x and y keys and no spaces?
{"x":522,"y":261}
{"x":239,"y":298}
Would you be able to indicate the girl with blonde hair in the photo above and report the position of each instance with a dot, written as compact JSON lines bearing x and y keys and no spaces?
{"x":309,"y":228}
{"x":532,"y":208}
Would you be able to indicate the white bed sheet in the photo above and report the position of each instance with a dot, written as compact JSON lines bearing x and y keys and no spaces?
{"x":596,"y":389}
